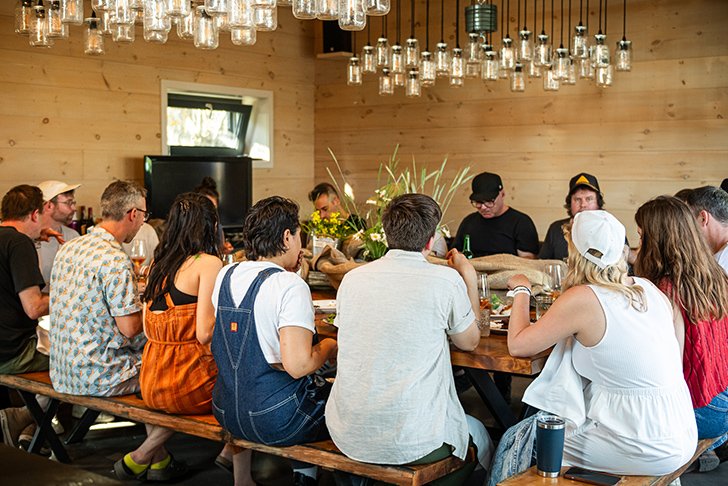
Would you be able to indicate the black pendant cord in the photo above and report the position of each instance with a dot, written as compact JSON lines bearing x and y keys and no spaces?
{"x":568,"y":32}
{"x":518,"y":15}
{"x":587,"y":16}
{"x":561,"y":40}
{"x":552,"y":22}
{"x":384,"y":27}
{"x":581,"y":14}
{"x":605,"y":17}
{"x":442,"y":22}
{"x":353,"y":44}
{"x":624,"y":22}
{"x":427,"y":25}
{"x":369,"y":33}
{"x":543,"y":17}
{"x":399,"y":22}
{"x":457,"y":24}
{"x":600,"y":16}
{"x":412,"y":19}
{"x":525,"y":14}
{"x":501,"y":18}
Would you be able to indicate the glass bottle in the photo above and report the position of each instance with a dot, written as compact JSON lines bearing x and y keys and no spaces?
{"x":263,"y":3}
{"x":179,"y":8}
{"x":571,"y":77}
{"x":457,"y":71}
{"x":601,"y":55}
{"x":56,"y":28}
{"x":562,"y":63}
{"x":221,"y":22}
{"x":123,"y":33}
{"x":604,"y":76}
{"x":265,"y":19}
{"x":542,"y":56}
{"x":399,"y":79}
{"x":368,"y":60}
{"x":507,"y":57}
{"x":525,"y":46}
{"x":304,"y":9}
{"x":473,"y":56}
{"x":105,"y":23}
{"x":396,"y":60}
{"x":383,"y":52}
{"x":75,"y":223}
{"x":327,"y":9}
{"x":489,"y":71}
{"x":72,"y":12}
{"x":186,"y":26}
{"x":240,"y":13}
{"x":442,"y":60}
{"x":377,"y":8}
{"x":427,"y":69}
{"x":534,"y":70}
{"x":215,"y":7}
{"x":38,"y":36}
{"x":550,"y":81}
{"x":386,"y":83}
{"x":467,"y":253}
{"x":353,"y":72}
{"x":155,"y":36}
{"x":100,"y":5}
{"x":624,"y":55}
{"x":24,"y":14}
{"x":579,"y":42}
{"x":586,"y":68}
{"x":123,"y":13}
{"x":412,"y":88}
{"x":155,"y":18}
{"x":518,"y":81}
{"x":352,"y":15}
{"x":93,"y":44}
{"x":206,"y":34}
{"x":411,"y":53}
{"x":243,"y":36}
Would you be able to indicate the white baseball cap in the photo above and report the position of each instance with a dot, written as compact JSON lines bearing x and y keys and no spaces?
{"x":53,"y":188}
{"x":599,"y":237}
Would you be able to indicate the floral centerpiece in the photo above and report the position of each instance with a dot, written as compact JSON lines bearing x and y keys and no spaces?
{"x":326,"y":231}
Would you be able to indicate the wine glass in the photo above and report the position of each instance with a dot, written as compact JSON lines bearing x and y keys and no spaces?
{"x":484,"y":295}
{"x":555,"y":277}
{"x":138,"y":255}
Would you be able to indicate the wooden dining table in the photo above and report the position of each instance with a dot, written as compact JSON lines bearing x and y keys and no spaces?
{"x":490,"y":355}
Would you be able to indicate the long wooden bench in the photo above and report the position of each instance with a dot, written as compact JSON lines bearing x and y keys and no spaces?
{"x":324,"y":453}
{"x":531,"y":478}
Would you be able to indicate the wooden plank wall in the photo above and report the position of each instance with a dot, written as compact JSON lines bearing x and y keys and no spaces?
{"x":660,"y":128}
{"x":89,"y":120}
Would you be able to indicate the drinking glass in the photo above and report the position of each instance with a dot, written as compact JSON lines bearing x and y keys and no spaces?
{"x":484,"y":295}
{"x":555,"y":277}
{"x":138,"y":255}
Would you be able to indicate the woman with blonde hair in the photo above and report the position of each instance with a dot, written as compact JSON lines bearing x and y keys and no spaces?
{"x":627,"y":406}
{"x":675,"y":256}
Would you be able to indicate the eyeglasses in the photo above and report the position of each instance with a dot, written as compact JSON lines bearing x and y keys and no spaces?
{"x":147,"y":214}
{"x":487,"y":204}
{"x":69,"y":203}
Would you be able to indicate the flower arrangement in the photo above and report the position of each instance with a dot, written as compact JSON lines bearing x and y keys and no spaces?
{"x":393,"y":182}
{"x":331,"y":227}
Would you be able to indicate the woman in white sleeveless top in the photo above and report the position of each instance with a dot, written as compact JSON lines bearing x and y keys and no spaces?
{"x":636,"y":414}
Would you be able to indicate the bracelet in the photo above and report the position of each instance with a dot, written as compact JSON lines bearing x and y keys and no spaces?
{"x":520,"y":289}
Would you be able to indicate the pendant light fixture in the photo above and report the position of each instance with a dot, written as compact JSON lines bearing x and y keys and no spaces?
{"x":327,"y":9}
{"x":368,"y":59}
{"x":550,"y":80}
{"x":396,"y":67}
{"x":412,"y":46}
{"x":507,"y":53}
{"x":571,"y":77}
{"x":38,"y":32}
{"x":442,"y":55}
{"x":304,"y":9}
{"x":383,"y":51}
{"x":427,"y":63}
{"x":525,"y":43}
{"x":456,"y":61}
{"x":353,"y":71}
{"x":377,"y":8}
{"x":71,"y":12}
{"x":533,"y":67}
{"x":93,"y":44}
{"x":624,"y":47}
{"x":602,"y":56}
{"x":561,"y":68}
{"x":352,"y":15}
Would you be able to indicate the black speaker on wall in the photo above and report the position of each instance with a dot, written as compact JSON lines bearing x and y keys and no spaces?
{"x":335,"y":39}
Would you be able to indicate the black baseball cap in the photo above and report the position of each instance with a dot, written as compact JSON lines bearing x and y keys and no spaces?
{"x":486,"y":187}
{"x":583,"y":179}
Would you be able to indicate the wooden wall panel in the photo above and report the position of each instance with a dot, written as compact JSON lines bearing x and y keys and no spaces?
{"x":91,"y":119}
{"x":660,"y":127}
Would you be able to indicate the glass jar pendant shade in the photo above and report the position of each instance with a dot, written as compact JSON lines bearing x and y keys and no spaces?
{"x":100,"y":5}
{"x":24,"y":15}
{"x":179,"y":8}
{"x":601,"y":55}
{"x":206,"y":34}
{"x":399,"y":79}
{"x":383,"y":52}
{"x":604,"y":76}
{"x":579,"y":47}
{"x":412,"y":88}
{"x":156,"y":36}
{"x":525,"y":46}
{"x":586,"y":68}
{"x":123,"y":13}
{"x":221,"y":21}
{"x":457,"y":68}
{"x":56,"y":28}
{"x":105,"y":22}
{"x":473,"y":56}
{"x":534,"y":70}
{"x":571,"y":70}
{"x":284,"y":3}
{"x":352,"y":15}
{"x":377,"y":8}
{"x":368,"y":60}
{"x":123,"y":34}
{"x":507,"y":58}
{"x":93,"y":43}
{"x":327,"y":9}
{"x":542,"y":56}
{"x":72,"y":12}
{"x":38,"y":36}
{"x":562,"y":63}
{"x":263,"y":3}
{"x":304,"y":9}
{"x":427,"y":69}
{"x":213,"y":7}
{"x":624,"y":55}
{"x":186,"y":26}
{"x":489,"y":71}
{"x":243,"y":36}
{"x":442,"y":60}
{"x":265,"y":19}
{"x":386,"y":83}
{"x":411,"y":53}
{"x":550,"y":81}
{"x":240,"y":13}
{"x":396,"y":60}
{"x":353,"y":72}
{"x":518,"y":80}
{"x":155,"y":18}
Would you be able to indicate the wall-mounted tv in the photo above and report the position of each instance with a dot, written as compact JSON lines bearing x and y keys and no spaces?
{"x":166,"y":176}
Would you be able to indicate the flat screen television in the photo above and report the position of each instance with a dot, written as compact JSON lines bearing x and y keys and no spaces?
{"x":166,"y":176}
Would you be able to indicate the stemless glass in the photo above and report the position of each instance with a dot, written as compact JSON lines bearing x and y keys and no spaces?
{"x":555,"y":279}
{"x":484,"y":296}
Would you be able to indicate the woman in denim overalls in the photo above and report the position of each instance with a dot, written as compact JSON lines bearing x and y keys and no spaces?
{"x":264,"y":347}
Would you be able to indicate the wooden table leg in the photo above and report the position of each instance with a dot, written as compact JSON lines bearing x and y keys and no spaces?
{"x":492,"y":398}
{"x":44,"y":429}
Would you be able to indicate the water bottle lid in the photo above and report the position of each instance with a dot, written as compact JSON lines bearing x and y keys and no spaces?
{"x":550,"y":422}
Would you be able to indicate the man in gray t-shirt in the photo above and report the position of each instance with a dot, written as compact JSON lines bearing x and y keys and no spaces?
{"x":394,"y":399}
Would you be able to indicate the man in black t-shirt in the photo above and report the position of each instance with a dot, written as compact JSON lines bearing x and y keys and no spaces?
{"x":326,"y":201}
{"x":21,"y":301}
{"x":495,"y":227}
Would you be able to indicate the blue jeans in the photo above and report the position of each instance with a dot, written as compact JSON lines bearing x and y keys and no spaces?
{"x":712,"y":419}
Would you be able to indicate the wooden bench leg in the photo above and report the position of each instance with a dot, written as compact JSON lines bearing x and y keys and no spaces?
{"x":81,"y":428}
{"x":44,"y":429}
{"x":484,"y":385}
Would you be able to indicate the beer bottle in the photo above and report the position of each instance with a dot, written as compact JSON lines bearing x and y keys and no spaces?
{"x":466,"y":247}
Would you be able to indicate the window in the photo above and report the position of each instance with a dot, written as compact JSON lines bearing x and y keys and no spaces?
{"x":202,"y":119}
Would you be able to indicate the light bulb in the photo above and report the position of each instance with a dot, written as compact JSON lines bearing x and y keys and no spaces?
{"x":386,"y":83}
{"x":442,"y":60}
{"x":457,"y":71}
{"x":352,"y":15}
{"x":412,"y":88}
{"x":427,"y":69}
{"x":518,"y":81}
{"x":368,"y":59}
{"x":383,"y":52}
{"x":411,"y":53}
{"x":624,"y":55}
{"x":353,"y":72}
{"x":93,"y":38}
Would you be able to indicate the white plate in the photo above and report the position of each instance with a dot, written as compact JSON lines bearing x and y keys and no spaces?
{"x":324,"y":306}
